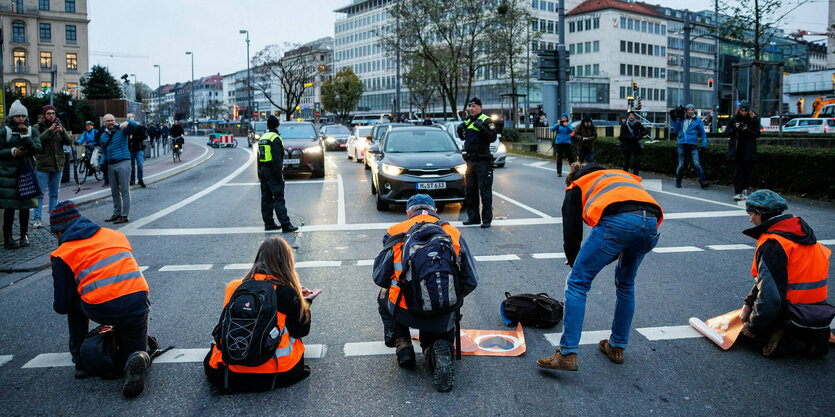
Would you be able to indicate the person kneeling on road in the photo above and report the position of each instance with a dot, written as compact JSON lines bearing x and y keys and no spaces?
{"x":624,"y":220}
{"x":786,"y":311}
{"x":247,"y":355}
{"x":414,"y":251}
{"x":270,"y":173}
{"x":96,"y":278}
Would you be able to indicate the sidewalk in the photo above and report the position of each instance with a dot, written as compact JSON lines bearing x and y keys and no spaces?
{"x":16,"y":264}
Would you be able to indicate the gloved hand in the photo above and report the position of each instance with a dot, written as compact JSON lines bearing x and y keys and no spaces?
{"x":478,"y":124}
{"x":460,"y":131}
{"x":745,"y":314}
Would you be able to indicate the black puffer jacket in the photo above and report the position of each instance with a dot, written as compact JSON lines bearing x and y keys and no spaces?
{"x":743,"y":139}
{"x":10,"y":165}
{"x":630,"y":139}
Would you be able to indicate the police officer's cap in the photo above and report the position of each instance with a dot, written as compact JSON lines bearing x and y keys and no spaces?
{"x":272,"y":122}
{"x":474,"y":100}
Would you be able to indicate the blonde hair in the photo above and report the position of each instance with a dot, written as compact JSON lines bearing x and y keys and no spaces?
{"x":275,"y":259}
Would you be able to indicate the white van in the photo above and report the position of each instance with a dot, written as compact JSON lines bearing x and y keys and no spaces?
{"x":810,"y":125}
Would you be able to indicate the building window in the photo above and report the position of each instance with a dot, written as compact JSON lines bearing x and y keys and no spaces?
{"x":69,"y":6}
{"x":46,"y":60}
{"x":596,"y":46}
{"x":629,"y":47}
{"x":643,"y":49}
{"x":629,"y":70}
{"x":664,"y":30}
{"x":45,"y":86}
{"x":588,"y":24}
{"x":643,"y":26}
{"x":623,"y":93}
{"x":43,"y":4}
{"x":46,"y":32}
{"x":596,"y":70}
{"x":657,"y":28}
{"x":18,"y":32}
{"x":629,"y":24}
{"x":596,"y":22}
{"x":550,"y":26}
{"x":622,"y":69}
{"x":535,"y":4}
{"x":20,"y":87}
{"x":19,"y":61}
{"x":588,"y":47}
{"x":623,"y":46}
{"x":71,"y":34}
{"x":571,"y":49}
{"x":72,"y":62}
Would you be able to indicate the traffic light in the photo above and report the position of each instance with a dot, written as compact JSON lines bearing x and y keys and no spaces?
{"x":639,"y":103}
{"x":630,"y":102}
{"x":710,"y":82}
{"x":547,"y":65}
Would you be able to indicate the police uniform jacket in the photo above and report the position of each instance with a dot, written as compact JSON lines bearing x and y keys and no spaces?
{"x":276,"y":165}
{"x":477,"y":132}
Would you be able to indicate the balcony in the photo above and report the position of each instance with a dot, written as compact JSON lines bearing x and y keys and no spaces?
{"x":20,"y":69}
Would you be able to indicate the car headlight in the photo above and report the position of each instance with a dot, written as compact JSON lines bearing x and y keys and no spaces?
{"x":257,"y":136}
{"x":331,"y":139}
{"x":392,"y":170}
{"x":501,"y":148}
{"x":313,"y":149}
{"x":462,"y":169}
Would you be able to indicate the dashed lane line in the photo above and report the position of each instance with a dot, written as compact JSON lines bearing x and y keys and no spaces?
{"x":551,"y":255}
{"x":669,"y":332}
{"x":318,"y":264}
{"x":586,"y":338}
{"x":365,"y":262}
{"x":496,"y":258}
{"x":340,"y":204}
{"x":827,"y":242}
{"x":730,"y":247}
{"x":678,"y":249}
{"x":4,"y":359}
{"x":237,"y":266}
{"x":371,"y":348}
{"x":291,"y":182}
{"x":179,"y":268}
{"x":50,"y":360}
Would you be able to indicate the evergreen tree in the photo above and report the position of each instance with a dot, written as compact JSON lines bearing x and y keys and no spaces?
{"x":101,"y":84}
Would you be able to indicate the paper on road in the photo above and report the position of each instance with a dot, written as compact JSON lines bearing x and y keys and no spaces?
{"x":722,"y":330}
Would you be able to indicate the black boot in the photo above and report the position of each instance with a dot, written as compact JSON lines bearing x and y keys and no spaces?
{"x":10,"y":243}
{"x":24,"y":240}
{"x":135,"y":374}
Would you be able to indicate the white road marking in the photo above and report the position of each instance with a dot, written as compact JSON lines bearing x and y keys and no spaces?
{"x":551,"y":255}
{"x":651,"y":184}
{"x":586,"y":338}
{"x":827,"y":242}
{"x":315,"y":351}
{"x":365,"y":262}
{"x":697,"y":199}
{"x":372,"y":348}
{"x":677,"y":249}
{"x":538,"y":164}
{"x":318,"y":264}
{"x":705,"y":214}
{"x":4,"y":359}
{"x":528,"y":208}
{"x":291,"y":182}
{"x":178,"y":268}
{"x":510,"y":158}
{"x":182,"y":356}
{"x":136,"y":224}
{"x":50,"y":360}
{"x":494,"y":258}
{"x":237,"y":266}
{"x":669,"y":332}
{"x":143,"y":268}
{"x":730,"y":247}
{"x":340,"y":206}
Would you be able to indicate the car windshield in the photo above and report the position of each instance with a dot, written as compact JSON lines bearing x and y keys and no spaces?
{"x":297,"y":131}
{"x":260,"y":127}
{"x":363,"y":131}
{"x":402,"y":141}
{"x":337,"y":130}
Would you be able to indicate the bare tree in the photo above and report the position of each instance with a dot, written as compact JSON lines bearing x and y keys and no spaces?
{"x":508,"y":38}
{"x":420,"y":82}
{"x":292,"y":68}
{"x":211,"y":108}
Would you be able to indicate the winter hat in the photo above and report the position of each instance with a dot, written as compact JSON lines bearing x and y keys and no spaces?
{"x":420,"y":201}
{"x":18,"y":109}
{"x":744,"y":105}
{"x":631,"y":112}
{"x":690,"y":106}
{"x":565,"y":115}
{"x":63,"y":216}
{"x":474,"y":100}
{"x":272,"y":122}
{"x":47,"y":107}
{"x":767,"y":202}
{"x":587,"y":118}
{"x":89,"y":123}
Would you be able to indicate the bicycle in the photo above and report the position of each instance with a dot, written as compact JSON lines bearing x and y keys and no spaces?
{"x":177,"y":148}
{"x":83,"y":168}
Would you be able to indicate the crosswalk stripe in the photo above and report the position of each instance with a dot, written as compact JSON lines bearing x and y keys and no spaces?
{"x":318,"y":264}
{"x":730,"y":247}
{"x":372,"y":348}
{"x":365,"y":262}
{"x":237,"y":266}
{"x":669,"y":332}
{"x":143,"y":268}
{"x":552,"y":255}
{"x":50,"y":360}
{"x":586,"y":338}
{"x":493,"y":258}
{"x":4,"y":359}
{"x":179,"y":268}
{"x":827,"y":242}
{"x":677,"y":249}
{"x":182,"y":355}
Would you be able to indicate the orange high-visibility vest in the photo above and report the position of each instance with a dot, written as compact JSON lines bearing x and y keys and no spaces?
{"x":397,"y":250}
{"x":288,"y":353}
{"x":103,"y":266}
{"x":808,"y":266}
{"x":607,"y":186}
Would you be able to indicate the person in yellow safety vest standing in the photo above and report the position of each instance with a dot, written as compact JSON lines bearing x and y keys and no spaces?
{"x":624,"y":220}
{"x":478,"y":132}
{"x":95,"y":277}
{"x":786,"y":310}
{"x":270,"y":167}
{"x":437,"y":331}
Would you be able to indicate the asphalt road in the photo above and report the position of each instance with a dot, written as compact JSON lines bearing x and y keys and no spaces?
{"x":195,"y":231}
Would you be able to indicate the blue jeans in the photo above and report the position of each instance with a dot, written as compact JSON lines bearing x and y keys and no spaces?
{"x":693,"y":150}
{"x":137,"y":162}
{"x":585,"y":156}
{"x":51,"y":180}
{"x":626,"y":237}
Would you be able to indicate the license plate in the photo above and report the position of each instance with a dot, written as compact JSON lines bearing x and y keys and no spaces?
{"x":431,"y":185}
{"x":292,"y":161}
{"x":342,"y":145}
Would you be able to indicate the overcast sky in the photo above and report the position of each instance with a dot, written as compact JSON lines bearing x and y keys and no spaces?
{"x":160,"y":31}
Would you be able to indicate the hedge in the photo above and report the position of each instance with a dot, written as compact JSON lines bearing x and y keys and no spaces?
{"x":806,"y":172}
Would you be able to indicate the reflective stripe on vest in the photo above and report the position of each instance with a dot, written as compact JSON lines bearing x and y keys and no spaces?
{"x":103,"y":266}
{"x":602,"y":188}
{"x":807,"y":268}
{"x":397,"y":250}
{"x":288,"y":353}
{"x":471,"y":123}
{"x":265,"y":152}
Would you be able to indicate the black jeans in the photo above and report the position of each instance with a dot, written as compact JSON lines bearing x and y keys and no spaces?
{"x":563,"y":150}
{"x":632,"y":154}
{"x":131,"y":333}
{"x":8,"y":222}
{"x":479,"y":178}
{"x":272,"y":198}
{"x":742,"y":175}
{"x":393,"y":329}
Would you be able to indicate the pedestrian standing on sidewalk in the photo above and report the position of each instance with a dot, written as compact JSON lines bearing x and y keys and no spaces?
{"x":163,"y":135}
{"x":624,"y":220}
{"x":562,"y":142}
{"x":270,"y":173}
{"x":18,"y":141}
{"x":114,"y":143}
{"x":631,"y":133}
{"x":689,"y":129}
{"x":153,"y":134}
{"x":584,"y":135}
{"x":136,"y":145}
{"x":743,"y":131}
{"x":50,"y":160}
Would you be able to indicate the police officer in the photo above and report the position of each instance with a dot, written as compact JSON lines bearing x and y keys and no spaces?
{"x":477,"y":132}
{"x":270,"y":165}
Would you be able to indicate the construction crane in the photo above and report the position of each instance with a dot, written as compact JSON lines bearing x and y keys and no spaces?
{"x":798,"y":35}
{"x":117,"y":55}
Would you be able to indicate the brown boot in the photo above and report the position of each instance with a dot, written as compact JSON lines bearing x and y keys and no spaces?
{"x":615,"y":354}
{"x":770,"y":349}
{"x":559,"y":361}
{"x":405,"y":352}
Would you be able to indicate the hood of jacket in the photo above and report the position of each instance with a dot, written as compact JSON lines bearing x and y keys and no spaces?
{"x":82,"y":228}
{"x":787,"y":226}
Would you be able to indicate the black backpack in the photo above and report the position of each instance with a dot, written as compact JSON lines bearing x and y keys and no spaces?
{"x":430,"y":281}
{"x":247,"y":330}
{"x":538,"y":310}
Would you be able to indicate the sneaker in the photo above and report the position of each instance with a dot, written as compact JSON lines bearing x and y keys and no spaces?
{"x":559,"y":361}
{"x":739,"y":197}
{"x":289,"y":228}
{"x":615,"y":354}
{"x":405,"y":352}
{"x":770,"y":348}
{"x":142,"y":184}
{"x":81,"y":373}
{"x":135,"y":375}
{"x":443,"y":369}
{"x":120,"y":220}
{"x":37,"y":224}
{"x":10,"y":243}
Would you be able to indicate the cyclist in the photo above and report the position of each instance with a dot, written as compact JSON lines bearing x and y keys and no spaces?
{"x":88,"y":137}
{"x":177,"y":133}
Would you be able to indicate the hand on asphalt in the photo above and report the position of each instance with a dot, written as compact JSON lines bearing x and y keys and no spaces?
{"x":745,"y":314}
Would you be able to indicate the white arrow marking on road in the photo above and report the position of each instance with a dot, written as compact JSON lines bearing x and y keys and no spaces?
{"x":365,"y":262}
{"x":238,"y":266}
{"x":586,"y":338}
{"x":318,"y":264}
{"x":4,"y":359}
{"x":178,"y":268}
{"x":50,"y":360}
{"x":315,"y":351}
{"x":669,"y":332}
{"x":372,"y":348}
{"x":538,"y":164}
{"x":730,"y":247}
{"x":494,"y":258}
{"x":528,"y":208}
{"x":552,"y":255}
{"x":143,"y":268}
{"x":677,"y":249}
{"x":340,"y":207}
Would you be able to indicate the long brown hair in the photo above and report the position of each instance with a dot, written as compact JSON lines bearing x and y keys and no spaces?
{"x":275,"y":259}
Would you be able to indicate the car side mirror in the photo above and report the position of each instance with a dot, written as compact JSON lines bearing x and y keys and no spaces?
{"x":374,"y":149}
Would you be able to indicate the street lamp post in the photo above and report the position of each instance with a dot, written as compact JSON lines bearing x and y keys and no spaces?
{"x":191,"y":89}
{"x":159,"y":75}
{"x":248,"y":75}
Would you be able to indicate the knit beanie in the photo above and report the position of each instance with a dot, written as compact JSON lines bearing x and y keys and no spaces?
{"x":47,"y":108}
{"x":420,"y":201}
{"x":272,"y":122}
{"x":63,"y":216}
{"x":18,"y":109}
{"x":767,"y":202}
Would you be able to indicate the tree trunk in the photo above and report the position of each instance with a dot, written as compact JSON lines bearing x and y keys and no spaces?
{"x":756,"y":85}
{"x":757,"y":34}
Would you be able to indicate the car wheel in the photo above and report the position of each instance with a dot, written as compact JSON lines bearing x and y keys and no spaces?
{"x":357,"y":158}
{"x":499,"y":165}
{"x":319,"y":172}
{"x":365,"y":162}
{"x":373,"y":188}
{"x":381,"y":205}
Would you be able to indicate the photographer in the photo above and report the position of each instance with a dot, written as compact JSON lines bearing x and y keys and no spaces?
{"x":631,"y":133}
{"x":743,"y":131}
{"x":584,"y":135}
{"x":689,"y":129}
{"x":19,"y":141}
{"x":562,"y":142}
{"x":51,"y":159}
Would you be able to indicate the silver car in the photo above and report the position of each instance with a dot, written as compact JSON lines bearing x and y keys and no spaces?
{"x":497,"y":148}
